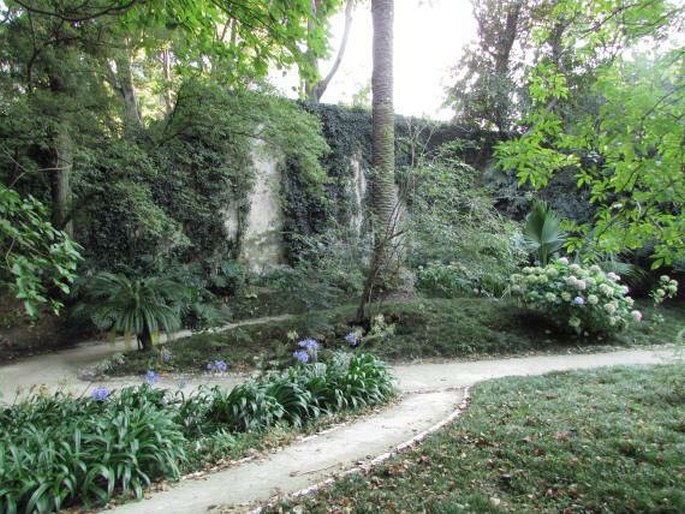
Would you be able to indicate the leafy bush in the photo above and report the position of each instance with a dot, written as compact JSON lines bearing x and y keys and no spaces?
{"x":457,"y":240}
{"x":584,"y":298}
{"x":140,"y":306}
{"x":303,"y":392}
{"x":56,"y":450}
{"x":37,"y":256}
{"x":447,"y":280}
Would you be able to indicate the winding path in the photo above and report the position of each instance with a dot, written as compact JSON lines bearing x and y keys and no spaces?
{"x":431,"y":394}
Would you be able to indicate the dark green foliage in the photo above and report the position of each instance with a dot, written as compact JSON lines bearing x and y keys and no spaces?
{"x":303,"y":393}
{"x":141,"y":306}
{"x":457,"y":241}
{"x":543,"y":233}
{"x":57,"y":450}
{"x":595,"y":441}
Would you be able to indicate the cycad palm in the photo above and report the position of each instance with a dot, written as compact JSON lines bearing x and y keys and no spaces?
{"x":133,"y":306}
{"x":543,"y":232}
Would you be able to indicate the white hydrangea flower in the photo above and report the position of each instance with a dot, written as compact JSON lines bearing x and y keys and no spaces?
{"x":610,"y":308}
{"x":606,"y":289}
{"x":563,"y":260}
{"x":637,"y":315}
{"x":592,"y":299}
{"x":566,"y":296}
{"x":613,"y":276}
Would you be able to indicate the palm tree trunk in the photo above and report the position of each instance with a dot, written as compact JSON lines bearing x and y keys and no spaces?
{"x":145,"y":339}
{"x":385,"y":198}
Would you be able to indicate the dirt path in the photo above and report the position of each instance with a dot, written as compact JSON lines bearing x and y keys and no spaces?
{"x":60,"y":370}
{"x":431,"y":393}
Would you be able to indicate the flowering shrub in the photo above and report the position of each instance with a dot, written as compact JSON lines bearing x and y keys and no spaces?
{"x":584,"y":298}
{"x":151,"y":377}
{"x":666,"y":288}
{"x":309,"y":350}
{"x":100,"y":394}
{"x":380,"y":330}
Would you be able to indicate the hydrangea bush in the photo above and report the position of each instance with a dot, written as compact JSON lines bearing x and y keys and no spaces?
{"x":583,"y":297}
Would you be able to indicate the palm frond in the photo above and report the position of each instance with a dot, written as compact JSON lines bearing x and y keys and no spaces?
{"x":542,"y":232}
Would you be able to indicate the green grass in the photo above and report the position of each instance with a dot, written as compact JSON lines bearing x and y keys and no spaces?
{"x":425,"y":328}
{"x":611,"y":440}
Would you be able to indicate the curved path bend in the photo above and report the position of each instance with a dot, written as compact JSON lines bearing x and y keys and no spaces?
{"x":430,"y":395}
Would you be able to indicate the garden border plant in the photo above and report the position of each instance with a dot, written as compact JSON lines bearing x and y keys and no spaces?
{"x":587,"y":299}
{"x":59,"y":450}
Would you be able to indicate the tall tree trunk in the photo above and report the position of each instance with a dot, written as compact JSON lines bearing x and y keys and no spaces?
{"x":60,"y":183}
{"x":166,"y":66}
{"x":385,"y":199}
{"x":133,"y":121}
{"x":61,"y":166}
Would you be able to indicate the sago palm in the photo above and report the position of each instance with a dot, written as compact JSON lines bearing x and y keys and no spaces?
{"x":140,"y":306}
{"x":542,"y":232}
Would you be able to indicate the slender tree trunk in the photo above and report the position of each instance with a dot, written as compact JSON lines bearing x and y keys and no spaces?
{"x":133,"y":121}
{"x":314,"y":91}
{"x":385,"y":199}
{"x":61,"y":166}
{"x":166,"y":65}
{"x":61,"y":182}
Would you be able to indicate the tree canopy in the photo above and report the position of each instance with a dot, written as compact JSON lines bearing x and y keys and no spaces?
{"x":611,"y":110}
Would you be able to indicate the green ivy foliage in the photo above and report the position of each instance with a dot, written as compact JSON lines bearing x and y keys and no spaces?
{"x":168,"y":194}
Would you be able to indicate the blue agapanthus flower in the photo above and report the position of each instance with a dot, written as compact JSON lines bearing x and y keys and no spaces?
{"x":151,"y":377}
{"x":217,"y":367}
{"x":100,"y":394}
{"x":579,"y":300}
{"x":352,"y":338}
{"x":301,"y":356}
{"x":309,"y":344}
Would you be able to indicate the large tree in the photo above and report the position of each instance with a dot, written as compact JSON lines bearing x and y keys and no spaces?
{"x":626,"y":146}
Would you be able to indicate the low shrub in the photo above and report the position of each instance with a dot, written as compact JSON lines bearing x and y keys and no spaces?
{"x":58,"y":450}
{"x":304,"y":392}
{"x":585,"y":298}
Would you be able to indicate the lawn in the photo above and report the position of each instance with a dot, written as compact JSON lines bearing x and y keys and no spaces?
{"x":424,"y":329}
{"x":611,"y":440}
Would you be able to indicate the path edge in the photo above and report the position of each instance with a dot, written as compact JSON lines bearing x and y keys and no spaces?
{"x":368,"y":464}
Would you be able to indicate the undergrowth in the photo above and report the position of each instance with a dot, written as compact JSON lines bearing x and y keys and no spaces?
{"x":424,"y":328}
{"x":57,"y":451}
